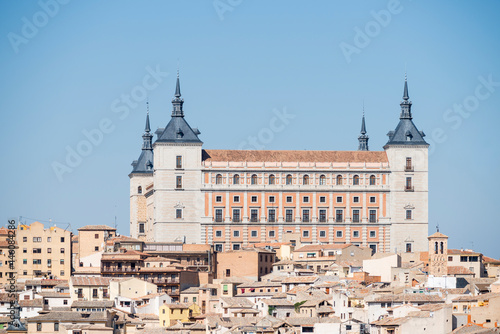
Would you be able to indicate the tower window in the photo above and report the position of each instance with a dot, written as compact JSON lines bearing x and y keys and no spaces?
{"x":254,"y":199}
{"x":322,"y":180}
{"x":339,"y":180}
{"x":218,"y":179}
{"x":408,"y":186}
{"x":408,"y":214}
{"x":236,"y":179}
{"x":289,"y":179}
{"x":305,"y":179}
{"x":355,"y":180}
{"x":178,"y":161}
{"x":322,"y":199}
{"x":372,"y":180}
{"x":408,"y":166}
{"x":141,"y":228}
{"x":178,"y":183}
{"x":254,"y":179}
{"x":178,"y":213}
{"x":139,"y":190}
{"x":408,"y":248}
{"x":272,"y":179}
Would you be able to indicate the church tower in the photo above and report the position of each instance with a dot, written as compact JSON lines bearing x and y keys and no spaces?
{"x":140,"y":178}
{"x":438,"y":254}
{"x":407,"y":152}
{"x":178,"y":204}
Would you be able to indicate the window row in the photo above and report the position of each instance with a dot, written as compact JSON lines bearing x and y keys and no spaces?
{"x":289,"y":179}
{"x":290,"y":215}
{"x":39,"y":261}
{"x":39,"y":250}
{"x":39,"y":239}
{"x":289,"y":199}
{"x":305,"y":234}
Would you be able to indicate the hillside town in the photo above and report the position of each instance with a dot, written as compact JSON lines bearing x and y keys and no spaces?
{"x":100,"y":282}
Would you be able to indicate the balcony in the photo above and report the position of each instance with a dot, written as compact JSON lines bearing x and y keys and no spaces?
{"x":409,"y":188}
{"x":408,"y":168}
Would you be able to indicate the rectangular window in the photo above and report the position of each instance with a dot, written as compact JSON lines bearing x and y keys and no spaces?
{"x":49,"y":239}
{"x":339,"y":199}
{"x":218,"y":199}
{"x":271,"y":199}
{"x":408,"y":214}
{"x":61,"y":261}
{"x":355,"y":216}
{"x":178,"y":161}
{"x":38,"y":326}
{"x":355,"y":199}
{"x":322,"y":199}
{"x":373,"y":216}
{"x":25,"y":239}
{"x":373,"y":234}
{"x":236,"y":234}
{"x":218,"y":215}
{"x":305,"y":216}
{"x":289,"y":199}
{"x":254,"y":215}
{"x":56,"y":326}
{"x":408,"y":247}
{"x":37,"y":250}
{"x":236,"y":246}
{"x":272,"y":215}
{"x":25,"y":250}
{"x":322,"y":215}
{"x":355,"y":234}
{"x":271,"y":234}
{"x":373,"y":248}
{"x":236,"y":215}
{"x":218,"y":234}
{"x":37,"y":239}
{"x":450,"y":258}
{"x":339,"y":234}
{"x":253,"y":234}
{"x":322,"y":234}
{"x":37,"y":261}
{"x":408,"y":166}
{"x":305,"y":234}
{"x":305,"y":199}
{"x":178,"y":213}
{"x":288,"y":215}
{"x":141,"y":228}
{"x":96,"y":248}
{"x":178,"y":182}
{"x":62,"y":250}
{"x":218,"y":247}
{"x":408,"y":186}
{"x":254,"y":199}
{"x":236,"y":199}
{"x":463,"y":258}
{"x":373,"y":199}
{"x":94,"y":293}
{"x":96,"y":236}
{"x":339,"y":216}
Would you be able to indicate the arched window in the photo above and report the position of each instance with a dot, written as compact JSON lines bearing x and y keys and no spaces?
{"x":355,"y":180}
{"x":272,"y":179}
{"x":305,"y":179}
{"x":322,"y":180}
{"x":218,"y":179}
{"x":372,"y":180}
{"x":442,"y":247}
{"x":236,"y":179}
{"x":254,"y":179}
{"x":435,"y":247}
{"x":339,"y":180}
{"x":288,"y":179}
{"x":139,"y":190}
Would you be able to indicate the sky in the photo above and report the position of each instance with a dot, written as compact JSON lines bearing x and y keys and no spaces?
{"x":75,"y":77}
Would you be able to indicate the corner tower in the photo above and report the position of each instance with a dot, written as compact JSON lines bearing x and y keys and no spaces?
{"x":140,"y":178}
{"x":407,"y":152}
{"x":363,"y":137}
{"x":178,"y":204}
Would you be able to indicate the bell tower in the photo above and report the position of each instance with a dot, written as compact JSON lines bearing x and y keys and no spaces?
{"x":438,"y":254}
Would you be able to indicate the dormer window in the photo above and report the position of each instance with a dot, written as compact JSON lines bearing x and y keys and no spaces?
{"x":179,"y":133}
{"x":408,"y":136}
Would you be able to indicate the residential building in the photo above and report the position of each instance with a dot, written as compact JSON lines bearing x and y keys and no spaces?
{"x":171,"y":313}
{"x":89,"y":288}
{"x":43,"y":252}
{"x":72,"y":322}
{"x":250,"y":263}
{"x":320,"y":257}
{"x":5,"y":271}
{"x":233,"y":198}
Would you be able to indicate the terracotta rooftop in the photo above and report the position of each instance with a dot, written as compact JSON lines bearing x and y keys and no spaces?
{"x":91,"y":281}
{"x":196,"y":247}
{"x":294,"y":156}
{"x":459,"y":270}
{"x":438,"y":235}
{"x":463,"y":251}
{"x":487,"y":259}
{"x":300,"y":279}
{"x":96,"y":228}
{"x":310,"y":248}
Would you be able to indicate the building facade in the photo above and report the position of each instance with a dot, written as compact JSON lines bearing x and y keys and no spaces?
{"x":234,"y":198}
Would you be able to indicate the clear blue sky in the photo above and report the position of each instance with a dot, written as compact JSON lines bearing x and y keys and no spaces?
{"x":62,"y":74}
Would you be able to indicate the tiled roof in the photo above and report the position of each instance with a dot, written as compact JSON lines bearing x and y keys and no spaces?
{"x":92,"y":304}
{"x":487,"y":259}
{"x":259,"y":284}
{"x":300,"y":279}
{"x":409,"y":297}
{"x":294,"y":156}
{"x":38,"y":302}
{"x":438,"y":235}
{"x":462,"y":251}
{"x":196,"y":247}
{"x":237,"y":302}
{"x":96,"y":228}
{"x":177,"y":306}
{"x":276,"y":302}
{"x":48,"y":282}
{"x":69,"y":316}
{"x":309,"y":248}
{"x":51,"y":294}
{"x":90,"y":281}
{"x":459,"y":270}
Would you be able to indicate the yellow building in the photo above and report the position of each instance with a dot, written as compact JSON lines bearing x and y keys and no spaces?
{"x":171,"y":313}
{"x":43,"y":251}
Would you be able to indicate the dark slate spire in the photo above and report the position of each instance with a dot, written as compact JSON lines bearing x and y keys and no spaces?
{"x":406,"y":132}
{"x":406,"y":103}
{"x":177,"y":102}
{"x":145,"y":162}
{"x":363,"y":138}
{"x":15,"y":324}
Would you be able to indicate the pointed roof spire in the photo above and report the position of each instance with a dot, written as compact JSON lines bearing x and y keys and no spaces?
{"x":177,"y":86}
{"x":177,"y":101}
{"x":147,"y":128}
{"x":363,"y":126}
{"x":363,"y":138}
{"x":405,"y":92}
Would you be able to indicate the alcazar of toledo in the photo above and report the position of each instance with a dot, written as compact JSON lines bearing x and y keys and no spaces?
{"x":233,"y":198}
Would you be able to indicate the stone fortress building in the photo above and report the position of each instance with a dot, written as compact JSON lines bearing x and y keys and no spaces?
{"x":233,"y":198}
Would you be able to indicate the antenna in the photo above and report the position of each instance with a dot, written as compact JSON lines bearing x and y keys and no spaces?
{"x":437,"y":227}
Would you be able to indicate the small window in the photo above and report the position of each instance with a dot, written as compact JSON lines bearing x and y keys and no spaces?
{"x":272,"y":179}
{"x":373,"y":199}
{"x":62,"y":250}
{"x":289,"y":199}
{"x":355,"y":234}
{"x":408,"y":247}
{"x":288,"y":215}
{"x":236,"y":179}
{"x":322,"y":180}
{"x":25,"y":239}
{"x":305,"y":234}
{"x":322,"y":234}
{"x":236,"y":199}
{"x":254,"y":179}
{"x":408,"y":214}
{"x":178,"y":161}
{"x":305,"y":179}
{"x":339,"y":199}
{"x":355,"y":216}
{"x":355,"y":180}
{"x":218,"y":215}
{"x":254,"y":199}
{"x":218,"y":233}
{"x":450,"y":258}
{"x":38,"y":326}
{"x":355,"y":199}
{"x":322,"y":199}
{"x":61,"y":272}
{"x":96,"y":248}
{"x":139,"y":190}
{"x":372,"y":180}
{"x":218,"y":179}
{"x":61,"y":261}
{"x":236,"y":246}
{"x":373,"y":216}
{"x":178,"y":182}
{"x":271,"y":199}
{"x":408,"y":186}
{"x":178,"y":213}
{"x":236,"y":215}
{"x":218,"y":247}
{"x":236,"y":234}
{"x":253,"y":234}
{"x":408,"y":166}
{"x":271,"y":234}
{"x":373,"y":234}
{"x":305,"y":199}
{"x":218,"y":199}
{"x":339,"y":234}
{"x":289,"y":179}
